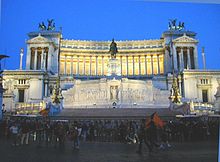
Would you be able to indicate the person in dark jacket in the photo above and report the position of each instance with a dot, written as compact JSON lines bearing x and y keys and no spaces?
{"x":142,"y":136}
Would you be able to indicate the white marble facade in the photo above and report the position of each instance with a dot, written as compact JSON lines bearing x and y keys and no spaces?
{"x":104,"y":93}
{"x":145,"y":81}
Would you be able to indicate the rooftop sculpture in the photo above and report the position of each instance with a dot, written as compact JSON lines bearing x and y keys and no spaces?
{"x":50,"y":26}
{"x":173,"y":26}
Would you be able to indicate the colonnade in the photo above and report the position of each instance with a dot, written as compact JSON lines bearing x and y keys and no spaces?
{"x":96,"y":65}
{"x":39,"y":58}
{"x":185,"y":58}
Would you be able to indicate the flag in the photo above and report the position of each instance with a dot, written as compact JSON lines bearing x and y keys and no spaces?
{"x":44,"y":112}
{"x":156,"y":119}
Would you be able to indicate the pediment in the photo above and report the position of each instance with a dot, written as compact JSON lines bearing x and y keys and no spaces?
{"x":39,"y":40}
{"x":185,"y":39}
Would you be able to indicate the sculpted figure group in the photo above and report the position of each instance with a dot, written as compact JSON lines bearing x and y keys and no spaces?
{"x":50,"y":26}
{"x":173,"y":26}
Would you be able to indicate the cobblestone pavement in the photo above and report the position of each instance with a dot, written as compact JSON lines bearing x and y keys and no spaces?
{"x":109,"y":152}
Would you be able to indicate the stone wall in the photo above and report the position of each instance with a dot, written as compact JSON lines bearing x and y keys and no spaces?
{"x":123,"y":93}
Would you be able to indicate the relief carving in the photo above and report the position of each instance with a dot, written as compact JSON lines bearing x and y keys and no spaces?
{"x":9,"y":86}
{"x":114,"y":92}
{"x":88,"y":94}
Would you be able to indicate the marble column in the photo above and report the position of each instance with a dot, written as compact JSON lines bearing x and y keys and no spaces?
{"x":127,"y":65}
{"x":65,"y":65}
{"x":188,"y":58}
{"x":77,"y":65}
{"x":96,"y":65}
{"x":145,"y":62}
{"x":139,"y":62}
{"x":50,"y":56}
{"x":46,"y":59}
{"x":195,"y":53}
{"x":46,"y":89}
{"x":181,"y":61}
{"x":71,"y":66}
{"x":103,"y":65}
{"x":90,"y":66}
{"x":133,"y":65}
{"x":152,"y":65}
{"x":42,"y":59}
{"x":158,"y":64}
{"x":121,"y":63}
{"x":28,"y":60}
{"x":167,"y":63}
{"x":21,"y":57}
{"x":175,"y":58}
{"x":35,"y":59}
{"x":84,"y":65}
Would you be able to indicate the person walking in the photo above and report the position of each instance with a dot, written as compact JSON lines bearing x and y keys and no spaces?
{"x":142,"y":137}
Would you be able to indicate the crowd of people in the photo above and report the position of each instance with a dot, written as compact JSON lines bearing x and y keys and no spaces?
{"x":44,"y":132}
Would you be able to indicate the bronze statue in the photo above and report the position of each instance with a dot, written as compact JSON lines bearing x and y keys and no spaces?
{"x":172,"y":25}
{"x":113,"y":49}
{"x":42,"y":26}
{"x":183,"y":25}
{"x":175,"y":95}
{"x":51,"y":24}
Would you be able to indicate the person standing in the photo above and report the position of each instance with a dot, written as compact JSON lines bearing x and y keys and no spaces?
{"x":152,"y":135}
{"x":15,"y":132}
{"x":142,"y":136}
{"x":24,"y":133}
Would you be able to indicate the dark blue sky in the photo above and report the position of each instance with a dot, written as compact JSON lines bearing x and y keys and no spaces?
{"x":103,"y":20}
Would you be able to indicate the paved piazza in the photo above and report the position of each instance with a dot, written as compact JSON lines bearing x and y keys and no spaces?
{"x":205,"y":151}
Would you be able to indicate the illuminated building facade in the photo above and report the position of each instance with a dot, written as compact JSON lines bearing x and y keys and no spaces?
{"x":146,"y":69}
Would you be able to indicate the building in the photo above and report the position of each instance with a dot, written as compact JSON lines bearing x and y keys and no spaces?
{"x":144,"y":80}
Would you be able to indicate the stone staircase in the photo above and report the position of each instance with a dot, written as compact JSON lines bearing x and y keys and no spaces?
{"x":117,"y":113}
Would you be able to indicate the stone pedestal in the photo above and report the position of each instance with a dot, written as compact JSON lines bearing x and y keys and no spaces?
{"x":114,"y":69}
{"x":115,"y":93}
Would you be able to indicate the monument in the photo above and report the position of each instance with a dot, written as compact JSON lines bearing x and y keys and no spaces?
{"x":114,"y":70}
{"x":108,"y":74}
{"x":113,"y":91}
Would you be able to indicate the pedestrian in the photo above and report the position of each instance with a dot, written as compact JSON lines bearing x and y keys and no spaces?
{"x":24,"y":132}
{"x":142,"y":137}
{"x":61,"y":135}
{"x":152,"y":135}
{"x":15,"y":134}
{"x":74,"y":135}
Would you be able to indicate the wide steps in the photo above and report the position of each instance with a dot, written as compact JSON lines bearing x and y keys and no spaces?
{"x":115,"y":113}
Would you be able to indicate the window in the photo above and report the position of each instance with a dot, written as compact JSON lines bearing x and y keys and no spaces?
{"x":21,"y":95}
{"x":204,"y":81}
{"x":21,"y":81}
{"x":205,"y":95}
